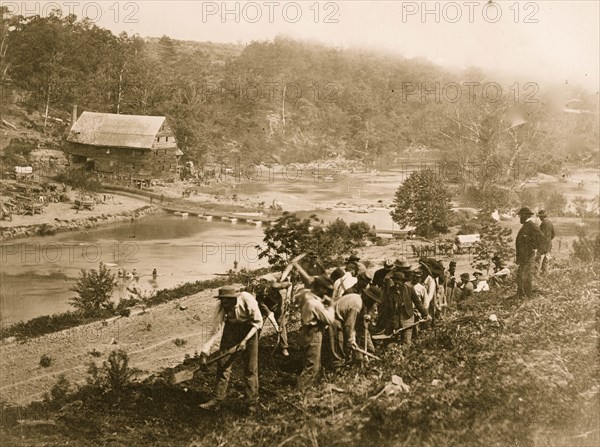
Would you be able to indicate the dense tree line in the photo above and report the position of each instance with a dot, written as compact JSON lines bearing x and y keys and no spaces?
{"x":299,"y":101}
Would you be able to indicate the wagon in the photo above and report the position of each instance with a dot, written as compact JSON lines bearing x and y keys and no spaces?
{"x":84,"y":204}
{"x":466,"y":242}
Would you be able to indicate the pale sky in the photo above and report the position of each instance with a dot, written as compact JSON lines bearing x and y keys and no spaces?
{"x":543,"y":41}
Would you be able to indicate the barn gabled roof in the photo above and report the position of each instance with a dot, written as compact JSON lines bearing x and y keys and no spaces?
{"x":111,"y":130}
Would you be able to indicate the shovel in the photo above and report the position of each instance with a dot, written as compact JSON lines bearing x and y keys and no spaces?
{"x":396,"y":332}
{"x":187,"y":374}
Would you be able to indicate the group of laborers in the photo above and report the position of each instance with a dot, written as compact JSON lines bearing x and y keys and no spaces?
{"x":340,"y":310}
{"x":336,"y":312}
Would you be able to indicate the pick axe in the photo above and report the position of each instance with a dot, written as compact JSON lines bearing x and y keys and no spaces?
{"x":291,"y":265}
{"x":187,"y":374}
{"x":367,"y":354}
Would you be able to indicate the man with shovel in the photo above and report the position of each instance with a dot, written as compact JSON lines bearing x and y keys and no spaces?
{"x":238,"y":315}
{"x":352,"y":313}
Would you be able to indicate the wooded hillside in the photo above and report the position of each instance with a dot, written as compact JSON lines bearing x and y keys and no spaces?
{"x":296,"y":101}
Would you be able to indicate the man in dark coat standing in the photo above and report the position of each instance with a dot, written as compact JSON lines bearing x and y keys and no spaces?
{"x":529,"y":239}
{"x":547,"y":228}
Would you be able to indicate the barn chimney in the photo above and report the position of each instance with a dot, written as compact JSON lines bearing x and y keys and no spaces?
{"x":74,"y":115}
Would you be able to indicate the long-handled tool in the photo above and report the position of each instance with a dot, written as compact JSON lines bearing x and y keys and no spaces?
{"x":397,"y":331}
{"x":365,"y":353}
{"x":187,"y":374}
{"x":277,"y":343}
{"x":366,"y":323}
{"x":290,"y":266}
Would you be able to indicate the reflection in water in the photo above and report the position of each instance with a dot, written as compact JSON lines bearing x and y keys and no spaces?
{"x":36,"y":274}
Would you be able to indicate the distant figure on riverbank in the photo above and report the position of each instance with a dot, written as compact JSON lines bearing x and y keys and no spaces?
{"x":154,"y":274}
{"x":546,"y":247}
{"x":235,"y":265}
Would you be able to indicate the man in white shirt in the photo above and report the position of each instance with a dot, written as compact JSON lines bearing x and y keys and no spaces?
{"x":480,"y":284}
{"x":238,"y":316}
{"x":345,"y":283}
{"x":416,"y":277}
{"x":430,"y":292}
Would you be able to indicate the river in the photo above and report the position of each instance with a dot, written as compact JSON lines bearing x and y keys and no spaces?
{"x":37,"y":273}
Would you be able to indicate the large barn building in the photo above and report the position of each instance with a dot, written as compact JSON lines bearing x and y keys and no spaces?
{"x":134,"y":149}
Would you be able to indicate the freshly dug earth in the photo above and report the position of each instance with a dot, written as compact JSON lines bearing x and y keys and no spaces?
{"x":528,"y":379}
{"x":146,"y":336}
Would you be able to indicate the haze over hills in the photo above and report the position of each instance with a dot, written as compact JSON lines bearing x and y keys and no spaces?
{"x":293,"y":100}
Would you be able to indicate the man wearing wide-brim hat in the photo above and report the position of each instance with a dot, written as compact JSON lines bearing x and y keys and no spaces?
{"x":379,"y":275}
{"x":401,"y":265}
{"x":529,"y":239}
{"x":238,"y":315}
{"x":349,"y":331}
{"x":315,"y":317}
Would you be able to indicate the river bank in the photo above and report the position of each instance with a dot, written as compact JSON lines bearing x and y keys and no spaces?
{"x":60,"y":217}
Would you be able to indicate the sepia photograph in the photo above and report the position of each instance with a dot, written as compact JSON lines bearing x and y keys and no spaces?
{"x":300,"y":223}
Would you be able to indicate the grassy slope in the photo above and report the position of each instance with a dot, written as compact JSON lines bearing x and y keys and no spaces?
{"x":532,"y":380}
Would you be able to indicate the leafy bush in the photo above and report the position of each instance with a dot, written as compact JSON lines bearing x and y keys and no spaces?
{"x":494,"y":240}
{"x":126,"y":303}
{"x":45,"y":361}
{"x":94,"y":290}
{"x":587,"y":249}
{"x":458,"y":217}
{"x":290,"y":236}
{"x":114,"y":374}
{"x":59,"y":391}
{"x":42,"y":325}
{"x":555,"y":204}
